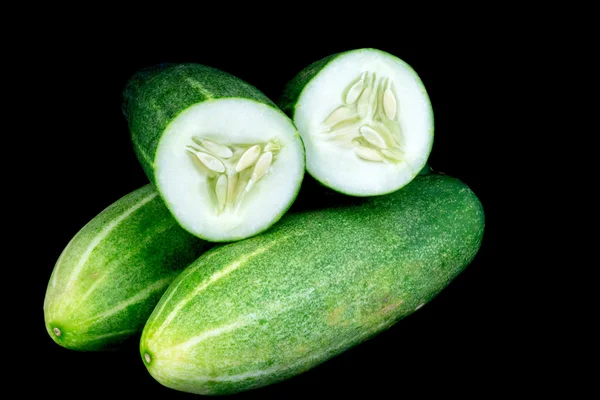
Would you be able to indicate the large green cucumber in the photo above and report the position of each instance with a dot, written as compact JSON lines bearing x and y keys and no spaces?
{"x":258,"y":311}
{"x":112,"y":273}
{"x":227,"y":162}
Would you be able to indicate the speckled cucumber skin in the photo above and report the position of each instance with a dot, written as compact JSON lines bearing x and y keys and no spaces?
{"x":294,"y":88}
{"x":112,"y":273}
{"x":259,"y":311}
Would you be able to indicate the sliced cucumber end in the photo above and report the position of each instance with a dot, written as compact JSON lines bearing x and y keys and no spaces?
{"x":229,"y":168}
{"x":367,"y":123}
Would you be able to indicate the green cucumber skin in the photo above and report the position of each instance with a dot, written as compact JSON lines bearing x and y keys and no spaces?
{"x":153,"y":97}
{"x":258,"y":311}
{"x":294,"y":88}
{"x":112,"y":273}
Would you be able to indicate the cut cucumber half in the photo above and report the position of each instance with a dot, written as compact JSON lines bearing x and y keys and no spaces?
{"x":365,"y":119}
{"x":227,"y":162}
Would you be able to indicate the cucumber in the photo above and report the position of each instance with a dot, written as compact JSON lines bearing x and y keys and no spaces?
{"x":112,"y":273}
{"x":227,"y":162}
{"x":365,"y":119}
{"x":255,"y":312}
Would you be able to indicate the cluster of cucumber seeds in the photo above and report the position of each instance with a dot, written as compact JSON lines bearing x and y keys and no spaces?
{"x":367,"y":121}
{"x":227,"y":168}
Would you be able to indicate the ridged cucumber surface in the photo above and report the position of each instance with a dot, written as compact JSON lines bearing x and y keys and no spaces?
{"x":112,"y":273}
{"x":261,"y":310}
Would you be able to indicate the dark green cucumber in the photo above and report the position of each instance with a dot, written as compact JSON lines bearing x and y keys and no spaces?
{"x":227,"y":162}
{"x":255,"y":312}
{"x":114,"y":270}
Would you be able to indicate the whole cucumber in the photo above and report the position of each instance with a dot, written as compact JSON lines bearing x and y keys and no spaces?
{"x":112,"y":273}
{"x":255,"y":312}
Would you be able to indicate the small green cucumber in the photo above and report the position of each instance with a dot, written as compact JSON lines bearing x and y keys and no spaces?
{"x":112,"y":273}
{"x":261,"y":310}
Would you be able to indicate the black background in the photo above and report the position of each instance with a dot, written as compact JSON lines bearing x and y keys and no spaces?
{"x":455,"y":344}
